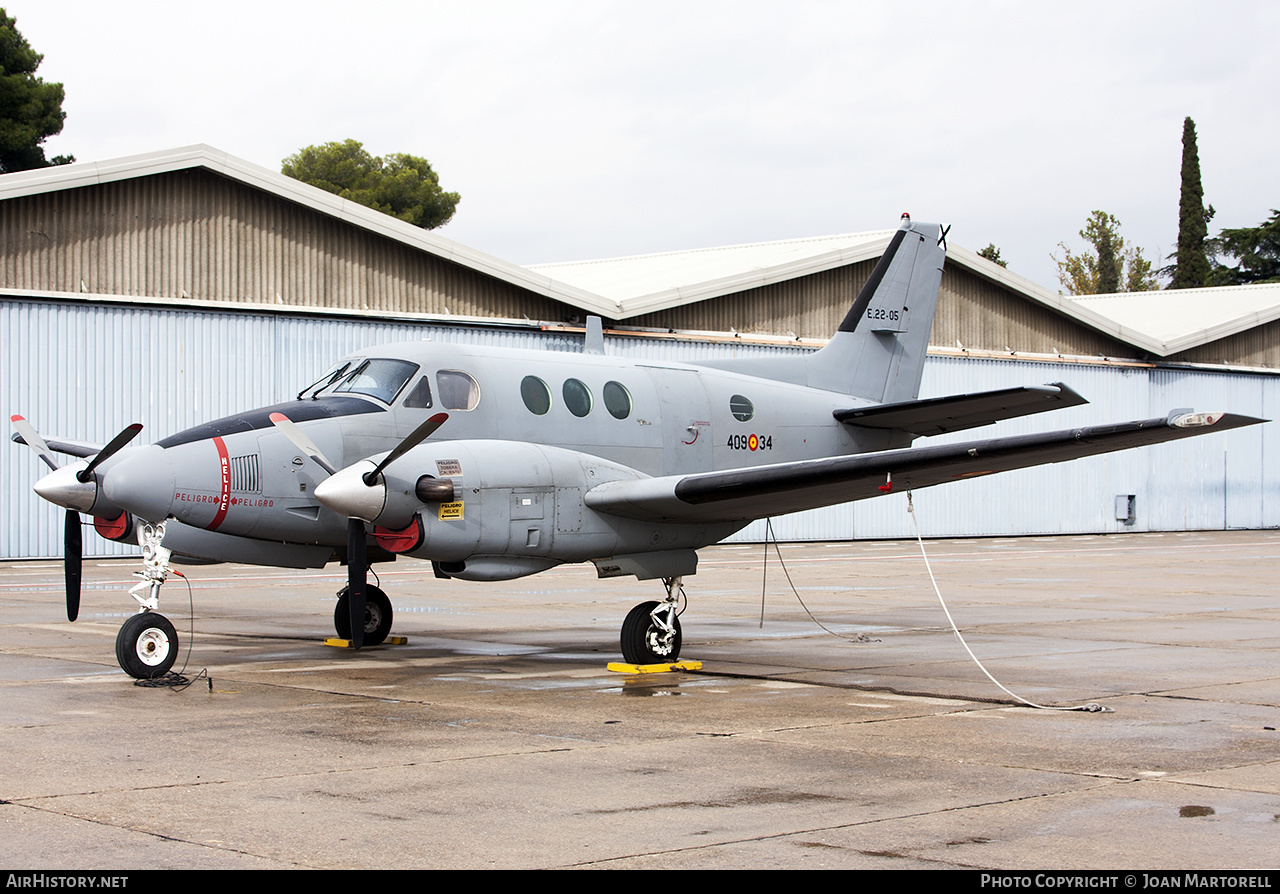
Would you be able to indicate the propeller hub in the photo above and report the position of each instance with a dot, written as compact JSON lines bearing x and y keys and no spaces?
{"x":346,"y":493}
{"x":63,"y":487}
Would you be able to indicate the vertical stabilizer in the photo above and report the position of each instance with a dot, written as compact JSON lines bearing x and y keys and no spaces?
{"x":878,"y":352}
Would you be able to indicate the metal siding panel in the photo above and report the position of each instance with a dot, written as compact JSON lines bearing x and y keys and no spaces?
{"x":195,"y":234}
{"x":172,"y":369}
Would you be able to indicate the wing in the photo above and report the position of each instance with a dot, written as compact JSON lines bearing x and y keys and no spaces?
{"x":746,"y":494}
{"x":81,"y":449}
{"x":937,"y":415}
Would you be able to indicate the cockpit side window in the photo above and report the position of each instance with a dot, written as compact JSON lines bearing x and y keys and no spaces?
{"x":378,"y":378}
{"x":458,"y":390}
{"x":420,"y":397}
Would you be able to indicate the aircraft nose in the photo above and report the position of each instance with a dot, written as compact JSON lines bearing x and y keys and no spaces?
{"x":142,"y":483}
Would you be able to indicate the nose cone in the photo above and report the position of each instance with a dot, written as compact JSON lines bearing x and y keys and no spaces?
{"x":62,"y":488}
{"x":142,"y":483}
{"x":346,"y":493}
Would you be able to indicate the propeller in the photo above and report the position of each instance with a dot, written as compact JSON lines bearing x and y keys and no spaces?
{"x":127,"y":434}
{"x":290,"y":430}
{"x":357,"y":576}
{"x":357,"y":553}
{"x":72,"y":561}
{"x":72,"y":538}
{"x":416,"y":437}
{"x":32,"y":439}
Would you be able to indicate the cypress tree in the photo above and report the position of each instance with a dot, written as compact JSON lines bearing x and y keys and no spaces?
{"x":1191,"y":269}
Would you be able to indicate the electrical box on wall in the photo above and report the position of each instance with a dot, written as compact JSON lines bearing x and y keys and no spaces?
{"x":1126,"y":508}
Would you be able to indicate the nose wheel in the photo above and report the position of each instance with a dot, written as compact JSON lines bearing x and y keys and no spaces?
{"x":146,"y":646}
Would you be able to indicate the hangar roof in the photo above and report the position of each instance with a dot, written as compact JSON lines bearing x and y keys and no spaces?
{"x":1167,"y":322}
{"x":84,"y":174}
{"x":647,"y":283}
{"x":1161,"y":323}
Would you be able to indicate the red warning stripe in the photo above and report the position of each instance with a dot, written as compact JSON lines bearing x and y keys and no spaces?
{"x":224,"y":494}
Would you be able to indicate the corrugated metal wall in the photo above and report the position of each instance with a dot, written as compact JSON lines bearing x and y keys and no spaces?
{"x":982,"y":315}
{"x":1259,"y":346}
{"x":83,"y":371}
{"x":193,"y":234}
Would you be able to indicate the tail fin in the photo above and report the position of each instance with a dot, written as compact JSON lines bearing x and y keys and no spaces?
{"x":878,"y":352}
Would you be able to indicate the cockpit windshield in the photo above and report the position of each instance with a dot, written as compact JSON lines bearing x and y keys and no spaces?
{"x":333,"y":374}
{"x":375,"y":377}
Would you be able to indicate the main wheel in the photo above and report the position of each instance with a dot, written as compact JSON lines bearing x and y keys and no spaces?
{"x":146,"y":646}
{"x":643,"y":642}
{"x":377,"y":616}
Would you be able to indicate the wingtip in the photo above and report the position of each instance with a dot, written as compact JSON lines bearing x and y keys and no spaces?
{"x":1183,"y":419}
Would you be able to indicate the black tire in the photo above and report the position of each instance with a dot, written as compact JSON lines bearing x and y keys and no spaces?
{"x":146,"y":646}
{"x":640,"y":638}
{"x":377,"y":616}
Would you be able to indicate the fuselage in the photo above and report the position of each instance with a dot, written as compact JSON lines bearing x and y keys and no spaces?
{"x":243,"y":477}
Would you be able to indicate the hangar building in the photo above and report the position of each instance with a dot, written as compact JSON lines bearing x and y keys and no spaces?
{"x":179,"y":286}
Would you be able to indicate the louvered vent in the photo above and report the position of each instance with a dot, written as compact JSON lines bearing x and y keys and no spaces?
{"x":244,"y":474}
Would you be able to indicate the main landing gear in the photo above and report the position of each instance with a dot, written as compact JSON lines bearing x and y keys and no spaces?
{"x":377,"y":616}
{"x":651,"y":632}
{"x":147,"y":644}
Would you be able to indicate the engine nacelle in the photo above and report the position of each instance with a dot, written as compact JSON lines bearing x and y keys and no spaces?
{"x":496,"y":510}
{"x":519,"y":504}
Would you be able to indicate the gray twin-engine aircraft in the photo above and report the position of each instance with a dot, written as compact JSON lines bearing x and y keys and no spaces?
{"x":497,"y":463}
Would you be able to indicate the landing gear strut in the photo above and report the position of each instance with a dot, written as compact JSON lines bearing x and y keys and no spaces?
{"x":377,"y":616}
{"x":651,"y":632}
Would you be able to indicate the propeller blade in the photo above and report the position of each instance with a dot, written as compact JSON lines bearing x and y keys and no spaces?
{"x":72,"y":549}
{"x":357,"y":572}
{"x":34,"y":441}
{"x":290,"y":430}
{"x":416,"y":437}
{"x":126,"y":435}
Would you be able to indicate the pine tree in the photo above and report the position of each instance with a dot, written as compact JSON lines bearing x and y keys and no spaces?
{"x":1191,"y":270}
{"x":992,"y":254}
{"x":404,"y":186}
{"x":30,"y":109}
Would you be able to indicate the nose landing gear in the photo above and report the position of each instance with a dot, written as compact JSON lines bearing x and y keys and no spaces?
{"x":147,"y":644}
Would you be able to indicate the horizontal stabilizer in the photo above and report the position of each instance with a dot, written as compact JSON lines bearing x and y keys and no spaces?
{"x":762,"y":491}
{"x":939,"y":415}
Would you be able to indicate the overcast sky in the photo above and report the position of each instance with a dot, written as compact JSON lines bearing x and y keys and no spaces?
{"x":576,"y":130}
